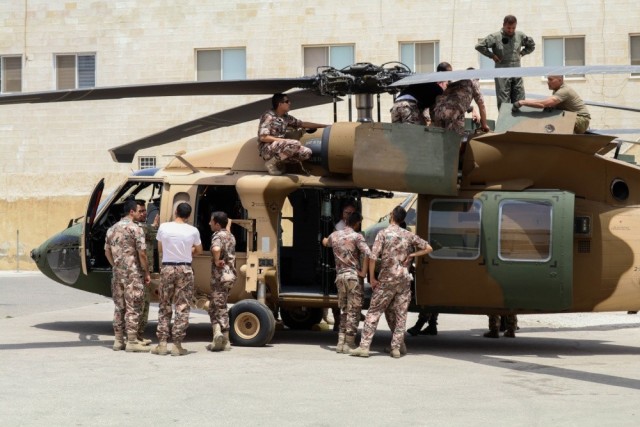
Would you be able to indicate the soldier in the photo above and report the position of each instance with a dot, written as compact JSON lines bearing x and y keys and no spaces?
{"x":125,"y":250}
{"x":452,"y":105}
{"x":274,"y":148}
{"x":149,"y":239}
{"x":562,"y":98}
{"x":348,"y":246}
{"x":178,"y":241}
{"x":414,"y":104}
{"x":506,"y":47}
{"x":393,"y":287}
{"x":223,"y":276}
{"x":511,"y":322}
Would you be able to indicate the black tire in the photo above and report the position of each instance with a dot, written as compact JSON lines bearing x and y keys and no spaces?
{"x":301,"y":317}
{"x":251,"y":324}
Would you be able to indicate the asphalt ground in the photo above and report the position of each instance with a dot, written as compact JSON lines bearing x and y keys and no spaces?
{"x":57,"y":368}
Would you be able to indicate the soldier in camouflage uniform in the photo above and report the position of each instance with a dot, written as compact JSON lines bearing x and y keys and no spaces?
{"x":149,"y":240}
{"x":178,"y":241}
{"x":274,"y":148}
{"x":393,"y":246}
{"x":126,"y":251}
{"x":506,"y":47}
{"x":348,"y":246}
{"x":223,"y":276}
{"x":452,"y":105}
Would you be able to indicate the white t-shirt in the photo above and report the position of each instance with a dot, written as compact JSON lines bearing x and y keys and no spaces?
{"x":177,"y":240}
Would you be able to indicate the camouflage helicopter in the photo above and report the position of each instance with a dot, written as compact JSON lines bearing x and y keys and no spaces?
{"x":528,"y":219}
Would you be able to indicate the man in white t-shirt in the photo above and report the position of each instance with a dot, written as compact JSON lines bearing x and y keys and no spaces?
{"x":178,"y":242}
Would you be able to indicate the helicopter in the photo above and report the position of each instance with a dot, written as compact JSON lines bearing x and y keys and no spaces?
{"x":527,"y":219}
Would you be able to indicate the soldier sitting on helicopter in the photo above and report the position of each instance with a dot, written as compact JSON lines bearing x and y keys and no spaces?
{"x":274,"y":148}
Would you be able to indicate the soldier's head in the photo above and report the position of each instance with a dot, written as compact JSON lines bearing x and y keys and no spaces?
{"x":398,"y":214}
{"x":354,"y":220}
{"x":281,"y":103}
{"x":131,"y":209}
{"x":444,"y":66}
{"x":219,"y":220}
{"x":183,"y":211}
{"x":509,"y":25}
{"x":554,"y":82}
{"x":348,"y":208}
{"x":141,"y":210}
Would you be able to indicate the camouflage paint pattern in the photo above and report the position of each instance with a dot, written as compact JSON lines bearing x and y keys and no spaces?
{"x":452,"y":105}
{"x":177,"y":289}
{"x":350,"y":300}
{"x":288,"y":150}
{"x":406,"y":112}
{"x":222,"y":278}
{"x":387,"y":295}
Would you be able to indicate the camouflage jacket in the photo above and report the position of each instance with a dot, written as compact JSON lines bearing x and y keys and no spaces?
{"x":227,"y":244}
{"x":276,"y":126}
{"x":458,"y":96}
{"x":348,"y":246}
{"x":508,"y":48}
{"x":125,"y":238}
{"x":393,"y":246}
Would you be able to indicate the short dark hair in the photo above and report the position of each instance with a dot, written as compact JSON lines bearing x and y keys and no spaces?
{"x":221,"y":218}
{"x":349,"y":203}
{"x":353,"y":219}
{"x":140,"y":202}
{"x":444,"y":66}
{"x":277,"y":98}
{"x":183,"y":210}
{"x":509,"y":19}
{"x":398,"y":214}
{"x":129,"y":205}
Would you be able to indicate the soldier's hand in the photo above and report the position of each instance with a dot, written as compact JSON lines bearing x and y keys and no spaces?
{"x":374,"y":282}
{"x":147,"y":278}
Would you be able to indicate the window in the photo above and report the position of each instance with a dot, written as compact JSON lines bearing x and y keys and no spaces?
{"x":146,"y":162}
{"x":420,"y":57}
{"x":75,"y":71}
{"x":337,"y":57}
{"x":454,"y":228}
{"x":564,"y":51}
{"x":221,"y":64}
{"x":634,"y":51}
{"x":10,"y":74}
{"x":525,"y":231}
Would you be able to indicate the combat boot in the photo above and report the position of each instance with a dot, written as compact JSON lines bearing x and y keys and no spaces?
{"x":118,"y":344}
{"x":160,"y":349}
{"x":177,"y":350}
{"x":509,"y":333}
{"x":340,"y":346}
{"x":493,"y":333}
{"x":227,"y":345}
{"x":415,"y":329}
{"x":219,"y":340}
{"x":359,"y":352}
{"x":432,"y":329}
{"x":403,"y":349}
{"x":273,"y":166}
{"x":395,"y":353}
{"x":143,"y":341}
{"x":349,"y":344}
{"x":135,"y":346}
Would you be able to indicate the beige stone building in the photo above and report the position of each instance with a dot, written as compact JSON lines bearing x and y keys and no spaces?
{"x":52,"y":154}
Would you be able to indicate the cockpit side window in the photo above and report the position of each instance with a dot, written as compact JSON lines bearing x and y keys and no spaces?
{"x":212,"y":198}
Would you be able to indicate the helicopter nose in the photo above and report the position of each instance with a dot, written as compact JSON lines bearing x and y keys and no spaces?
{"x":59,"y":257}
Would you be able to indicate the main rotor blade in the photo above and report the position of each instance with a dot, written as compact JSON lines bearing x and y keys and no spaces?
{"x":491,"y":73}
{"x":225,"y":87}
{"x":301,"y":99}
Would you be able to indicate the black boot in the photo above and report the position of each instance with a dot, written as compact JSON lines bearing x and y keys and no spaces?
{"x":415,"y":329}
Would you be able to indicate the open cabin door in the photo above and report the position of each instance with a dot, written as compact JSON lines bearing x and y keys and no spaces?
{"x":87,"y":226}
{"x":528,"y":240}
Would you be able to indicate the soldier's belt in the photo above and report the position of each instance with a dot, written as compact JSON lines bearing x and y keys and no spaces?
{"x":176,"y":263}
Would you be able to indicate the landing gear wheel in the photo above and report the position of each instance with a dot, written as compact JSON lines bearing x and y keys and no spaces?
{"x":252,"y":324}
{"x":301,"y":317}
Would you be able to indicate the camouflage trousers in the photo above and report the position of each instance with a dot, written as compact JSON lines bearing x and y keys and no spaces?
{"x":511,"y":321}
{"x":582,"y":124}
{"x":385,"y":295}
{"x":509,"y":90}
{"x":350,"y":298}
{"x":144,"y":315}
{"x":127,"y":290}
{"x":176,"y":288}
{"x":406,"y":112}
{"x":450,"y":119}
{"x":287,"y":150}
{"x":218,"y":313}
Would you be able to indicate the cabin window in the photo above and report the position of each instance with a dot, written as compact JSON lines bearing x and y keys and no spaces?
{"x":212,"y":198}
{"x":146,"y":162}
{"x":75,"y":71}
{"x":221,"y":64}
{"x":336,"y":56}
{"x":454,"y":229}
{"x":10,"y":74}
{"x":421,"y":57}
{"x":634,"y":51}
{"x":525,"y":231}
{"x":564,"y":51}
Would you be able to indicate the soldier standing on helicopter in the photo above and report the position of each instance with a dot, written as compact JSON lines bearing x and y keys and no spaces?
{"x":125,"y":250}
{"x":274,"y":148}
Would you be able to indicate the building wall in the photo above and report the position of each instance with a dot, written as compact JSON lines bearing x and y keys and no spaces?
{"x":51,"y":155}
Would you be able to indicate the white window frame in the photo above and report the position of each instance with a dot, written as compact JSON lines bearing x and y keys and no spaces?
{"x":636,"y":60}
{"x":564,"y":56}
{"x":3,"y":72}
{"x":77,"y":70}
{"x":328,"y":57}
{"x":147,"y":162}
{"x":225,"y":59}
{"x":412,"y":65}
